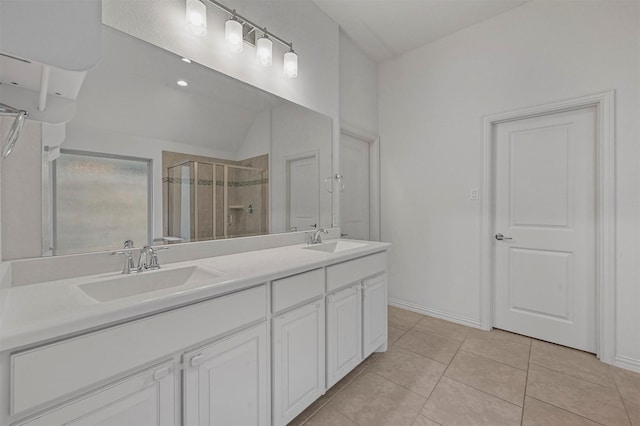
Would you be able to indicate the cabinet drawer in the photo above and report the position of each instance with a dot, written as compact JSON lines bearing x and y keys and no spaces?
{"x":355,"y":270}
{"x":296,"y":289}
{"x":50,"y":372}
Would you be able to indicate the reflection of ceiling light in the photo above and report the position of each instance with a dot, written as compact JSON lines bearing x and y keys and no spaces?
{"x":187,"y":60}
{"x":182,"y":83}
{"x":197,"y":17}
{"x":264,"y":51}
{"x":236,"y":29}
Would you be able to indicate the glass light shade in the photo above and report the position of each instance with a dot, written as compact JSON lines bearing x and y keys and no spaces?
{"x":197,"y":17}
{"x":264,"y":51}
{"x":233,"y":35}
{"x":290,"y":67}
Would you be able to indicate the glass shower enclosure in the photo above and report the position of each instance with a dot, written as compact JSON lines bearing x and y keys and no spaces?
{"x":211,"y":201}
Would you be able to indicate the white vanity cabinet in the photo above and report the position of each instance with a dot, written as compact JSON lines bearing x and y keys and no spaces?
{"x":344,"y":332}
{"x":226,"y":382}
{"x":81,"y":377}
{"x":146,"y":398}
{"x":374,"y":309}
{"x":298,"y":349}
{"x":356,"y":314}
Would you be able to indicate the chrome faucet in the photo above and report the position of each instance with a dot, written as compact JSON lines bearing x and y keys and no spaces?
{"x":315,"y":237}
{"x":149,"y":254}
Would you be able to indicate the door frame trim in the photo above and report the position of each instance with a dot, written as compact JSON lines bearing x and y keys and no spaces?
{"x":374,"y":174}
{"x":604,"y":103}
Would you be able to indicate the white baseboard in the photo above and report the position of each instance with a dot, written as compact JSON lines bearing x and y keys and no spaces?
{"x":434,"y":313}
{"x":627,"y":363}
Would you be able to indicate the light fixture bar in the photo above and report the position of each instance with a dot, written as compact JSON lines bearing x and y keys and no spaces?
{"x":255,"y":26}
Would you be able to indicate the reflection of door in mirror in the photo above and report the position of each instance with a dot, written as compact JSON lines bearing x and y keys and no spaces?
{"x":355,"y":195}
{"x":210,"y":199}
{"x":302,"y":193}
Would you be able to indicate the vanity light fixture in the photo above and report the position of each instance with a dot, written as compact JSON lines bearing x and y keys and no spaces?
{"x":233,"y":34}
{"x":290,"y":66}
{"x":182,"y":83}
{"x":264,"y":50}
{"x":197,"y":17}
{"x":187,"y":60}
{"x":238,"y":30}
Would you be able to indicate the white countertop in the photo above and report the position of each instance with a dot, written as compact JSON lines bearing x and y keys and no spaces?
{"x":43,"y":312}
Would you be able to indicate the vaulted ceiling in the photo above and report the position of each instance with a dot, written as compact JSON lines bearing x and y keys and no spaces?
{"x":387,"y":28}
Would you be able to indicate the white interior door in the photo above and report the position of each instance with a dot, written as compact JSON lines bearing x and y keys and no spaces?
{"x":303,"y":193}
{"x":544,"y":267}
{"x":355,"y":198}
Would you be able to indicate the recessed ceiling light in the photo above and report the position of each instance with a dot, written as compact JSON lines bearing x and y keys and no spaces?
{"x":182,"y":83}
{"x":187,"y":60}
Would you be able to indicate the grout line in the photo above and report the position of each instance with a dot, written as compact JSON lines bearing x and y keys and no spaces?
{"x":485,"y":392}
{"x":574,"y":376}
{"x":567,"y":411}
{"x":620,"y":395}
{"x":526,"y":383}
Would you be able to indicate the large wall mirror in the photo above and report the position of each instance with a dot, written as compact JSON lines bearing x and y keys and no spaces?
{"x":162,"y":150}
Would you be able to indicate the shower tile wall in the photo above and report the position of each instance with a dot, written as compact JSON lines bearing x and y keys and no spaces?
{"x":243,"y":191}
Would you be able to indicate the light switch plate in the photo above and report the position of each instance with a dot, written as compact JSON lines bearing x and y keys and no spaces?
{"x":474,"y":194}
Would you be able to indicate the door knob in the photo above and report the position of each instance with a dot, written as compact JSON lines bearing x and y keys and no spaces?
{"x":501,"y":237}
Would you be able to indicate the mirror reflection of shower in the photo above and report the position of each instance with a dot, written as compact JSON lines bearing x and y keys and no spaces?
{"x":212,"y":201}
{"x":16,"y":127}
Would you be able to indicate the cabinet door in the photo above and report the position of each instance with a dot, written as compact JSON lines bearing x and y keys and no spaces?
{"x":298,"y":361}
{"x":344,"y":333}
{"x":226,"y":382}
{"x":374,"y":301}
{"x":145,"y":399}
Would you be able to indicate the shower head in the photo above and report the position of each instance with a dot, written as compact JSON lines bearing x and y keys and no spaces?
{"x":16,"y":127}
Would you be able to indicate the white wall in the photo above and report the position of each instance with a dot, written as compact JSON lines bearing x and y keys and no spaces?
{"x":358,"y":88}
{"x":432,"y":103}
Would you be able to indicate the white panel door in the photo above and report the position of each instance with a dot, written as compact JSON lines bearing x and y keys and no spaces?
{"x":145,"y":399}
{"x":374,"y":310}
{"x":298,"y":361}
{"x":544,"y":265}
{"x":226,"y":383}
{"x":355,"y":198}
{"x":303,"y":193}
{"x":344,"y":333}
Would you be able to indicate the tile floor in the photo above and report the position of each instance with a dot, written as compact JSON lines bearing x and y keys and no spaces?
{"x":440,"y":373}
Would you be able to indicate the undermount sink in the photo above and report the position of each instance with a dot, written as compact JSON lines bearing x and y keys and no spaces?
{"x":146,"y":282}
{"x":335,"y":246}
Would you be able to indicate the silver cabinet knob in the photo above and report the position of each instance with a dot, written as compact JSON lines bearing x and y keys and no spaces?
{"x":501,"y":237}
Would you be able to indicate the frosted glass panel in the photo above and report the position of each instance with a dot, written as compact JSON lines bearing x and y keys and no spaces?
{"x":99,"y":203}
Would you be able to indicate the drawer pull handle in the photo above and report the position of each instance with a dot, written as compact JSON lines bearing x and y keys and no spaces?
{"x":196,"y":360}
{"x":161,"y":373}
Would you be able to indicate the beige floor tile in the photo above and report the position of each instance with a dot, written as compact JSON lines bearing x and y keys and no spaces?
{"x":401,"y":318}
{"x":595,"y":402}
{"x":394,"y":334}
{"x":330,"y":417}
{"x":435,"y":347}
{"x":501,"y":334}
{"x":443,"y":328}
{"x":298,"y":421}
{"x":489,"y":376}
{"x":628,"y":383}
{"x":453,"y":403}
{"x":408,"y":369}
{"x":497,"y":347}
{"x":575,"y":363}
{"x":423,"y":421}
{"x":538,"y":413}
{"x":633,"y":411}
{"x":371,"y":400}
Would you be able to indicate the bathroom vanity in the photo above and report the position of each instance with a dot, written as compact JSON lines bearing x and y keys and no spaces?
{"x":243,"y":339}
